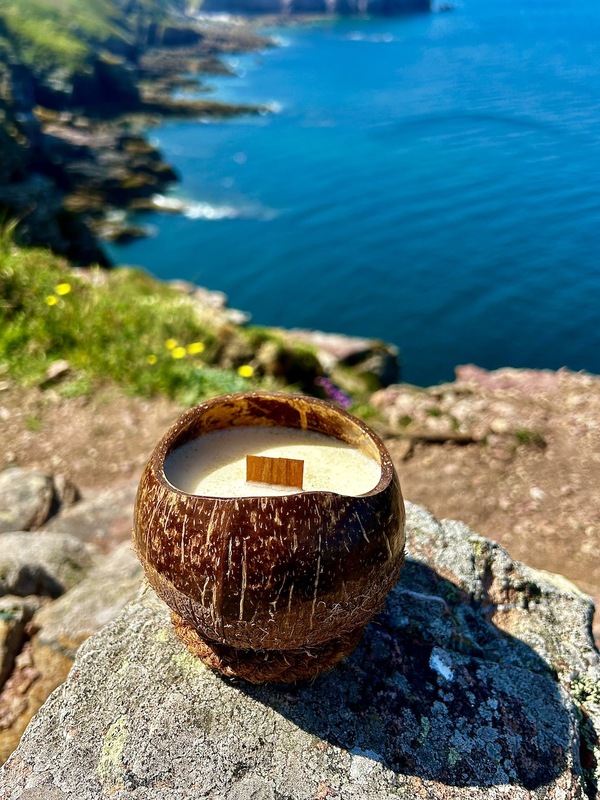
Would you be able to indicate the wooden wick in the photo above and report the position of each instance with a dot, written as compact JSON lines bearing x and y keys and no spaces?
{"x":277,"y":471}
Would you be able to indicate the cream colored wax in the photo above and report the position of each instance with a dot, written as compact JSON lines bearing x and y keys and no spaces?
{"x":215,"y":464}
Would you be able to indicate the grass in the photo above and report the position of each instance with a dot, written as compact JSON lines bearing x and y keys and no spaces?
{"x":531,"y":438}
{"x":63,"y":33}
{"x":124,"y":326}
{"x":119,"y":325}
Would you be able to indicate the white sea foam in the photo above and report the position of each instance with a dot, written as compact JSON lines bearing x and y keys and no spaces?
{"x":210,"y":212}
{"x":376,"y":38}
{"x":281,"y":41}
{"x":199,"y":209}
{"x":164,"y":203}
{"x":274,"y":106}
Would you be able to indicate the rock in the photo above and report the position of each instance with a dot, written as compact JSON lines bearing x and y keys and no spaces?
{"x":44,"y":564}
{"x":205,"y":299}
{"x":366,"y":356}
{"x":26,"y":497}
{"x":15,"y":613}
{"x":179,"y":36}
{"x":91,"y":604}
{"x":121,"y":232}
{"x":60,"y":628}
{"x":29,"y":497}
{"x":522,"y":380}
{"x":465,"y":408}
{"x":479,"y":680}
{"x":56,"y":372}
{"x":14,"y":703}
{"x":65,"y":492}
{"x":104,"y":519}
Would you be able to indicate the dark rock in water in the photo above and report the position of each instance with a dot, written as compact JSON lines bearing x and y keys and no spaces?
{"x":479,"y":680}
{"x":121,"y":232}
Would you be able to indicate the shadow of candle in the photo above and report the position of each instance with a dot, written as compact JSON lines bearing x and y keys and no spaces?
{"x":436,"y":690}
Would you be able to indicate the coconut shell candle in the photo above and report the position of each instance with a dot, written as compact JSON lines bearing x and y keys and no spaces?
{"x":271,"y":570}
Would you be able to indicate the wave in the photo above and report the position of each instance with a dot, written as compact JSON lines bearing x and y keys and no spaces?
{"x":212,"y":212}
{"x":207,"y":211}
{"x":376,"y":38}
{"x":281,"y":41}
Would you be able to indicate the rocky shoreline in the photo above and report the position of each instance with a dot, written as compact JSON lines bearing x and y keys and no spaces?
{"x":74,"y":152}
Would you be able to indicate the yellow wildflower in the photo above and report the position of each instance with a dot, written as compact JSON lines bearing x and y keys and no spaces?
{"x":62,"y":288}
{"x":171,"y":344}
{"x":245,"y":371}
{"x":151,"y":359}
{"x":196,"y":347}
{"x":178,"y":352}
{"x":51,"y":300}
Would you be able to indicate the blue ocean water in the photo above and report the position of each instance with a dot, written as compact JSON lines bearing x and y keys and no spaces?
{"x":430,"y":180}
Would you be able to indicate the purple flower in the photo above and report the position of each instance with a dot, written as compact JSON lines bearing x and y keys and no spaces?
{"x":333,"y":392}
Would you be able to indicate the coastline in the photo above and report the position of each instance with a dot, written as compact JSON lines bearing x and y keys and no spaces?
{"x":511,"y":453}
{"x":81,"y":162}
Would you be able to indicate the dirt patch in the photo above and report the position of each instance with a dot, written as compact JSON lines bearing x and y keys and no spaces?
{"x":94,"y":441}
{"x":531,"y":478}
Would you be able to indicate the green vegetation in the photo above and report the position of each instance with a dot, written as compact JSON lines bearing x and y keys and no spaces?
{"x":527,"y":437}
{"x":119,"y":325}
{"x":64,"y":33}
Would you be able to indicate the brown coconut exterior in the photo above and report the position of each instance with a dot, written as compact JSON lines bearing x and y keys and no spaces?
{"x":270,"y":573}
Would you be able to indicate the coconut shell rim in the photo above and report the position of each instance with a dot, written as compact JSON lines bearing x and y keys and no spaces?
{"x":168,"y":442}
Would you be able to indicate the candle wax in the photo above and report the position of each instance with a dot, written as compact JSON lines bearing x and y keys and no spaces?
{"x":214,"y":464}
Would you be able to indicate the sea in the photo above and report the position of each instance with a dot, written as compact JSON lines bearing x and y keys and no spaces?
{"x":429,"y":180}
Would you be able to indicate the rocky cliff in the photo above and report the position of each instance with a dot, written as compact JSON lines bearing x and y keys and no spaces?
{"x":69,"y":151}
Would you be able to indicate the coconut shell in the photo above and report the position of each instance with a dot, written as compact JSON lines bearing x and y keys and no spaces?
{"x":281,"y":573}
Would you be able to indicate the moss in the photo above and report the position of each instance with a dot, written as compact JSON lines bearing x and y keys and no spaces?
{"x":162,"y":636}
{"x":424,"y":730}
{"x":454,"y":756}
